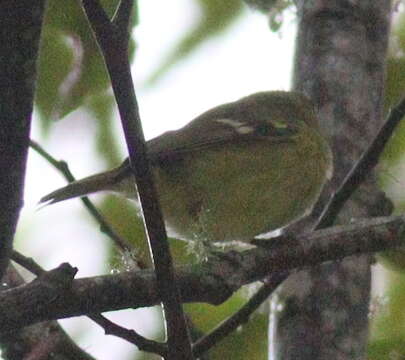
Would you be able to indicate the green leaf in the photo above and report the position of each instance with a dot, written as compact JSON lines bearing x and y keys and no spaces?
{"x":101,"y":107}
{"x":387,"y":349}
{"x":389,"y":319}
{"x":394,"y":91}
{"x":249,"y":341}
{"x":71,"y":68}
{"x":55,"y":62}
{"x":121,"y":215}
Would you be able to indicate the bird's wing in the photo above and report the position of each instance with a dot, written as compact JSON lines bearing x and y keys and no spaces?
{"x":207,"y":132}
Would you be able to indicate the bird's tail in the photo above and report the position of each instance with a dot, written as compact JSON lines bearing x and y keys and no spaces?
{"x":99,"y":182}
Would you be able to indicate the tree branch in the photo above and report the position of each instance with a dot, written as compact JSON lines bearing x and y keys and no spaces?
{"x":340,"y":64}
{"x":241,"y":316}
{"x":363,"y":167}
{"x":113,"y":41}
{"x":105,"y":227}
{"x":35,"y":341}
{"x":212,"y":282}
{"x":20,"y":29}
{"x":131,"y":336}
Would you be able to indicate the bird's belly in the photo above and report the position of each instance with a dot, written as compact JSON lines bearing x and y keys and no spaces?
{"x":241,"y":194}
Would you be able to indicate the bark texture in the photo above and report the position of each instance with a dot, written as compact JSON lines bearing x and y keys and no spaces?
{"x":20,"y":29}
{"x":340,"y":62}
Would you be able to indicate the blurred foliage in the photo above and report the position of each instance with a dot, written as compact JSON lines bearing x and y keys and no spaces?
{"x":121,"y":215}
{"x":388,"y":325}
{"x":249,"y":341}
{"x":72,"y":71}
{"x":388,"y":330}
{"x":101,"y":107}
{"x":70,"y":68}
{"x":395,"y":89}
{"x":387,"y":349}
{"x":394,"y":152}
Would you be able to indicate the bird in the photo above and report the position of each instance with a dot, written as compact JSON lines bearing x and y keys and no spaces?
{"x":239,"y":170}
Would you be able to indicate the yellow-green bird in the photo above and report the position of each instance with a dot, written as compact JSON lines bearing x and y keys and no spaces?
{"x":236,"y":171}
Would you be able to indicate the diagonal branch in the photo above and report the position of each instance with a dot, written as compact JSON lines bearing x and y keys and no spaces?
{"x":114,"y":46}
{"x":241,"y":316}
{"x":363,"y":167}
{"x":110,"y":328}
{"x":105,"y":227}
{"x":39,"y":340}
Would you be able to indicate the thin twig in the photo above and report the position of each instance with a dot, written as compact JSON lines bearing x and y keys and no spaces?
{"x":110,"y":328}
{"x":362,"y":168}
{"x":56,"y":340}
{"x":27,"y":263}
{"x":241,"y":316}
{"x":63,"y":168}
{"x":113,"y":41}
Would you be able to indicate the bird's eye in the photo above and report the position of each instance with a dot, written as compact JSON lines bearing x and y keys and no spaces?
{"x":264,"y":129}
{"x":274,"y":129}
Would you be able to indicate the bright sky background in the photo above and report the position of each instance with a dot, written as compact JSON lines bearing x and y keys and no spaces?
{"x":249,"y":58}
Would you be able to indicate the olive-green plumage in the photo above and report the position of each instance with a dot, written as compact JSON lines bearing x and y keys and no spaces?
{"x":236,"y":171}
